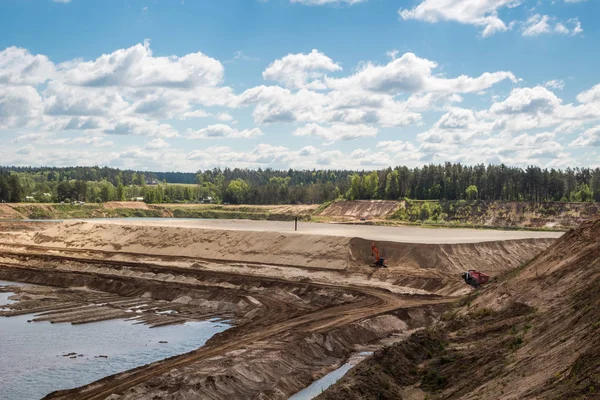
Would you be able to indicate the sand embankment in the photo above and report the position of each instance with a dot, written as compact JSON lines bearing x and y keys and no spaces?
{"x":235,"y":246}
{"x":425,"y":266}
{"x":402,"y":234}
{"x":361,"y":209}
{"x":533,"y":334}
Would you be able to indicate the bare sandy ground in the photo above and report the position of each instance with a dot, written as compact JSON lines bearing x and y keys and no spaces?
{"x":404,"y":234}
{"x":304,"y":301}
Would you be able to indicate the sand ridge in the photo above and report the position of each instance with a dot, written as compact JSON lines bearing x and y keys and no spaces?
{"x":422,"y":266}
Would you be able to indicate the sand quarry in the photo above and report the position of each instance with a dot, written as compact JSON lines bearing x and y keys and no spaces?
{"x":301,"y":303}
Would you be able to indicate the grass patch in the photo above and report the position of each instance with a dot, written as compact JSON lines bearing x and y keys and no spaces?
{"x":433,"y":381}
{"x":515,"y":343}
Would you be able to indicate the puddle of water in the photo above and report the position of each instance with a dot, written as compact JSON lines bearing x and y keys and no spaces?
{"x":4,"y":299}
{"x":8,"y":283}
{"x":31,"y":354}
{"x":4,"y":296}
{"x":319,"y":386}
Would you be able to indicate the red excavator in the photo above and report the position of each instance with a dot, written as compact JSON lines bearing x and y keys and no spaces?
{"x":379,"y":261}
{"x":475,"y":278}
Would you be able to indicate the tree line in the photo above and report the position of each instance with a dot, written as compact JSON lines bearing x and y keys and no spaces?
{"x":450,"y":181}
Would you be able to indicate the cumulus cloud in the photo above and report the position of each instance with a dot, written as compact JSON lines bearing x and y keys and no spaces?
{"x":260,"y":155}
{"x":138,"y":126}
{"x":19,"y":67}
{"x":527,"y":100}
{"x":590,"y":137}
{"x":221,"y":131}
{"x":411,"y":74}
{"x":336,"y":132}
{"x":367,"y":97}
{"x":157,"y":144}
{"x":196,"y":114}
{"x":590,"y":96}
{"x":131,"y":92}
{"x":458,"y":125}
{"x":20,"y":106}
{"x":67,"y":100}
{"x":128,"y":91}
{"x":297,"y":71}
{"x":480,"y":13}
{"x":137,"y":67}
{"x":485,"y":14}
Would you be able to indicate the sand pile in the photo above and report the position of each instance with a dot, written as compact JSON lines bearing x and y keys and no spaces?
{"x":7,"y":212}
{"x":237,"y":246}
{"x":361,"y":209}
{"x":432,"y":267}
{"x":138,"y":205}
{"x":534,"y":334}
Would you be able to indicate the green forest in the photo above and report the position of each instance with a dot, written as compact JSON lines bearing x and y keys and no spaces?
{"x":268,"y":186}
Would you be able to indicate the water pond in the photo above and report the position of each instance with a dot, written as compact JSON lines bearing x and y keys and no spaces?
{"x":33,"y":361}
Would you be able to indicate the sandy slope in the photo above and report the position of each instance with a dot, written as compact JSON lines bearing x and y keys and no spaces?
{"x":361,"y":209}
{"x":139,"y":205}
{"x":428,"y":267}
{"x":309,"y":309}
{"x":406,"y":234}
{"x":534,"y":334}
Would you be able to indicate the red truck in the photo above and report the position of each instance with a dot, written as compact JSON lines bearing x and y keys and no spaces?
{"x":475,"y":278}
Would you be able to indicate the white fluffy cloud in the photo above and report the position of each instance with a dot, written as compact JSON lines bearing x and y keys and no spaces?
{"x":544,"y":24}
{"x":297,"y":71}
{"x":336,"y":132}
{"x":137,"y":67}
{"x":49,"y":110}
{"x":61,"y":99}
{"x":20,"y":106}
{"x":591,"y":137}
{"x":536,"y":25}
{"x":221,"y":131}
{"x":458,"y":125}
{"x":138,"y":126}
{"x":157,"y":143}
{"x":481,"y":13}
{"x":19,"y":67}
{"x":527,"y":100}
{"x":411,"y":74}
{"x":484,"y":14}
{"x":129,"y":91}
{"x":590,"y":96}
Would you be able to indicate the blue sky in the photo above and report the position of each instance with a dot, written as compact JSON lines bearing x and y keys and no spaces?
{"x":361,"y":84}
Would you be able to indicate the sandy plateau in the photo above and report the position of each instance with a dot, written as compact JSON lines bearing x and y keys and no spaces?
{"x":300,"y":302}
